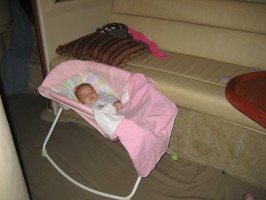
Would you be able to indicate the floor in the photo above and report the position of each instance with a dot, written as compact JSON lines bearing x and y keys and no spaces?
{"x":103,"y":165}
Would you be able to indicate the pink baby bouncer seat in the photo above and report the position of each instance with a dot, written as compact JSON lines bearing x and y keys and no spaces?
{"x":146,"y":119}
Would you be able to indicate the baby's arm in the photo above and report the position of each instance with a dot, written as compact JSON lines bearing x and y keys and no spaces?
{"x":111,"y":99}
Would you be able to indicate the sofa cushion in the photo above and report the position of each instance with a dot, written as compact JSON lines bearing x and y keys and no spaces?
{"x":104,"y":48}
{"x":195,"y":83}
{"x":227,"y":31}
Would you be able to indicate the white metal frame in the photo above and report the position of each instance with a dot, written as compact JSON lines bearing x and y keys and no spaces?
{"x":45,"y":154}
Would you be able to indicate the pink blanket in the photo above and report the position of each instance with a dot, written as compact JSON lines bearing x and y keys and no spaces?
{"x":146,"y":130}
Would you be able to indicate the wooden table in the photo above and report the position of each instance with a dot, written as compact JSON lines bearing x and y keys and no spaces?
{"x":247,"y":93}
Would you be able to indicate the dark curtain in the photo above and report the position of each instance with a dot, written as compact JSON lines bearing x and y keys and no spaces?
{"x":14,"y":64}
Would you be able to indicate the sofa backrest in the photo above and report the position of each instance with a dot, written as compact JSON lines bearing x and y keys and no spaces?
{"x":227,"y":31}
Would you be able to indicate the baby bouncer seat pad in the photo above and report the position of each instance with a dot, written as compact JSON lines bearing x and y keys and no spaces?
{"x":148,"y":115}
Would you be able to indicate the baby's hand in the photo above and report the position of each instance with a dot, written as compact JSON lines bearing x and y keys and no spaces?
{"x":118,"y":105}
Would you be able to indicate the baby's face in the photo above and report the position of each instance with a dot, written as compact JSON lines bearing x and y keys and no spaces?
{"x":87,"y":95}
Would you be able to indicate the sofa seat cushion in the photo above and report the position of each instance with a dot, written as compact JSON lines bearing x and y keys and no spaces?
{"x":195,"y":83}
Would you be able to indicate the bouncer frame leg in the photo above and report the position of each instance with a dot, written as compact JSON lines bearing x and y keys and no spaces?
{"x":45,"y":154}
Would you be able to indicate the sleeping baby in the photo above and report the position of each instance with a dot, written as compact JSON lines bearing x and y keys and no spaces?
{"x":104,"y":107}
{"x":86,"y":94}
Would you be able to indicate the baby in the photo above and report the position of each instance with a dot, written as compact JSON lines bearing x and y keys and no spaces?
{"x":86,"y":94}
{"x":104,"y":107}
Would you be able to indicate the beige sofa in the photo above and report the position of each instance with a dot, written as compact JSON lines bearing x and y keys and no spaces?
{"x":207,"y":43}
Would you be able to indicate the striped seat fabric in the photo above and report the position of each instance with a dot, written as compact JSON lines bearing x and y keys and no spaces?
{"x":104,"y":48}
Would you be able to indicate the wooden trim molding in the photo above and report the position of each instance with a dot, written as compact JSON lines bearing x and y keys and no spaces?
{"x":39,"y":37}
{"x":40,"y":44}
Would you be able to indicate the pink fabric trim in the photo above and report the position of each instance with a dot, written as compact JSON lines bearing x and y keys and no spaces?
{"x":249,"y":196}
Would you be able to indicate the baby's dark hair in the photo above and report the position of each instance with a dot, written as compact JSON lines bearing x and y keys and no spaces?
{"x":80,"y":86}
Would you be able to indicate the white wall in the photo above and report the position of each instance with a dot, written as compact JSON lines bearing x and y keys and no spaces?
{"x":12,"y":183}
{"x":68,"y":20}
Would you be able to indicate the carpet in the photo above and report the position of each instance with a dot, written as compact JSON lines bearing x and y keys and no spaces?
{"x":104,"y":165}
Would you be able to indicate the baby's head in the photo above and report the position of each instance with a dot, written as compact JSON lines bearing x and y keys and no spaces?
{"x":85,"y":93}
